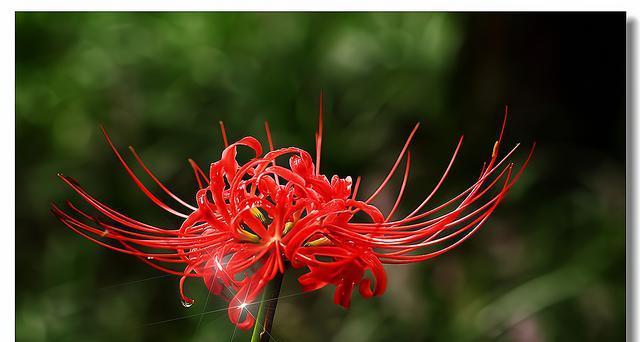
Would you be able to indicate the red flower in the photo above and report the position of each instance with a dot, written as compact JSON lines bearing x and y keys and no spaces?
{"x":252,"y":220}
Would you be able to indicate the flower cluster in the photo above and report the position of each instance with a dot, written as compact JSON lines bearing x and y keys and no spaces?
{"x":253,"y":220}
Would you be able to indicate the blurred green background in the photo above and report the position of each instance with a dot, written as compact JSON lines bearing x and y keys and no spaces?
{"x":549,"y":265}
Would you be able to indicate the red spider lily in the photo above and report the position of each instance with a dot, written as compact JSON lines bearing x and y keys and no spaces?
{"x":252,"y":220}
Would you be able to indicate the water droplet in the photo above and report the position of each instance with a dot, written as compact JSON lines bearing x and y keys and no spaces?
{"x":187,"y":304}
{"x":149,"y":258}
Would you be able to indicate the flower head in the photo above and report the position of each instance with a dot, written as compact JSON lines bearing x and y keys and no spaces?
{"x":252,"y":220}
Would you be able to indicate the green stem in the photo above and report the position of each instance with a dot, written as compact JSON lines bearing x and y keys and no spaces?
{"x":267,"y":310}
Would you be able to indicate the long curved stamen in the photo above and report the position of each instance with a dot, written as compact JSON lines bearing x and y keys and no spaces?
{"x":144,"y":189}
{"x":201,"y":177}
{"x":395,"y":165}
{"x":223,"y":131}
{"x":404,"y":184}
{"x":319,"y":136}
{"x":157,"y":181}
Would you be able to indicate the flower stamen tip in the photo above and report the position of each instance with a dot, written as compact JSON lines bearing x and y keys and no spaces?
{"x":258,"y":214}
{"x":287,"y":227}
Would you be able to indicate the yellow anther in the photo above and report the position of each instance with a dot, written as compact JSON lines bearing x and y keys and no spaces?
{"x":287,"y":227}
{"x":318,"y":242}
{"x":249,"y":236}
{"x":257,"y":214}
{"x":495,"y":149}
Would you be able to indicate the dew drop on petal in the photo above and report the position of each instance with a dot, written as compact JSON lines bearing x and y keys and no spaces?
{"x":150,"y":258}
{"x":187,"y":304}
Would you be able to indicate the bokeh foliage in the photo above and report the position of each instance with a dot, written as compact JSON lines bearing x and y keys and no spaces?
{"x":550,"y":265}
